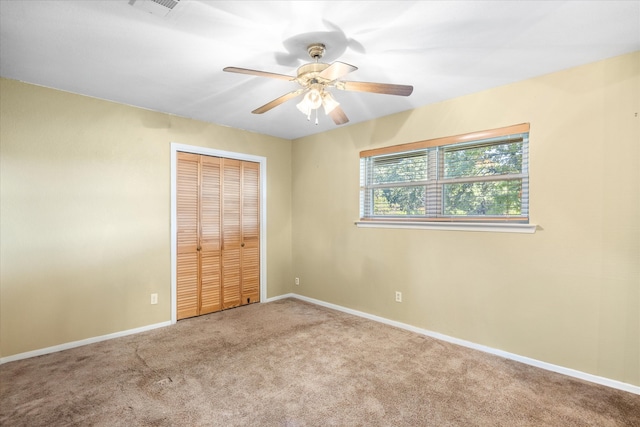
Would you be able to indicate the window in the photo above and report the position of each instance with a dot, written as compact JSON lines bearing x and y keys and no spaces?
{"x":479,"y":177}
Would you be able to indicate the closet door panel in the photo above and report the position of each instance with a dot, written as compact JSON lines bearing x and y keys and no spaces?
{"x":210,"y":235}
{"x":231,"y":204}
{"x":187,"y":235}
{"x":187,"y":285}
{"x":250,"y":246}
{"x":187,"y":201}
{"x":210,"y":291}
{"x":250,"y":202}
{"x":230,"y":278}
{"x":231,"y":233}
{"x":250,"y":275}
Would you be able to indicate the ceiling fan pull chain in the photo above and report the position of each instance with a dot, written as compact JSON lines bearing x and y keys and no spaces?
{"x":316,"y":117}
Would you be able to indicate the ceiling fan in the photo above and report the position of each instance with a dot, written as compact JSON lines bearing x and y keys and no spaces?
{"x":315,"y":78}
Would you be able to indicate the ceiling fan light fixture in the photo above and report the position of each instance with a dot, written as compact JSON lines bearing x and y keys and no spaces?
{"x":303,"y":106}
{"x":312,"y":100}
{"x":328,"y":102}
{"x":314,"y":97}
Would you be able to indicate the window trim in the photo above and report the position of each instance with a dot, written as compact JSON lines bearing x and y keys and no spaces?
{"x":495,"y":224}
{"x":496,"y":227}
{"x":448,"y":140}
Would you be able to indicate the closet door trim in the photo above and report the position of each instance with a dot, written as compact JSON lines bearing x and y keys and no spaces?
{"x":175,"y":148}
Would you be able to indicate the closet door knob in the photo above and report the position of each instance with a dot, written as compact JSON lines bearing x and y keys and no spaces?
{"x":242,"y":244}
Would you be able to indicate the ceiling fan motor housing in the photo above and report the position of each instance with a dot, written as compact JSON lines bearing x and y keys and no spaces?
{"x":308,"y":73}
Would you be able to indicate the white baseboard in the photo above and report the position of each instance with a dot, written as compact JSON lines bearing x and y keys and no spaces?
{"x":526,"y":360}
{"x":280,"y":297}
{"x":74,"y":344}
{"x":80,"y":343}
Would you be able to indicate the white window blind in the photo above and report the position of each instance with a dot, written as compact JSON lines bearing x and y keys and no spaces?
{"x":481,"y":177}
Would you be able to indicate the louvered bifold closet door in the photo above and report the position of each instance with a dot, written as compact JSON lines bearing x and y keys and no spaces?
{"x":210,"y":238}
{"x":188,"y":171}
{"x":231,"y":235}
{"x":250,"y":245}
{"x":218,"y":226}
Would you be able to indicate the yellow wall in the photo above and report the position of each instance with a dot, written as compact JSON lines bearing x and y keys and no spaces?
{"x":85,"y":213}
{"x":567,"y":295}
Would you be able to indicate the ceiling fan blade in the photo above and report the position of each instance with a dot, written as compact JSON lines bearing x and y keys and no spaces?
{"x":384,"y":88}
{"x":338,"y":116}
{"x":336,"y":70}
{"x":258,"y":73}
{"x":284,"y":98}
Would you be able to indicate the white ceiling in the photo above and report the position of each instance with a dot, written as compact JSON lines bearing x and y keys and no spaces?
{"x":118,"y":51}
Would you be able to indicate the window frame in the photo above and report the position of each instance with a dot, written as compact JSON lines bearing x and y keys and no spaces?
{"x":508,"y":223}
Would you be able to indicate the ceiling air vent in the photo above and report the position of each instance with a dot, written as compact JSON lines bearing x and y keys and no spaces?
{"x":155,"y":7}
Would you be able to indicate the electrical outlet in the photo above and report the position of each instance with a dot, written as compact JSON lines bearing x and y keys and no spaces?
{"x":154,"y":298}
{"x":297,"y":281}
{"x":398,"y":296}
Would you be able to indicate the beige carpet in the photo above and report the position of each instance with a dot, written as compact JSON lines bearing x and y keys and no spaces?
{"x":290,"y":363}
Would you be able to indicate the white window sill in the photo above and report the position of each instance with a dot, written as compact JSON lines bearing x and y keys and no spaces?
{"x":495,"y":227}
